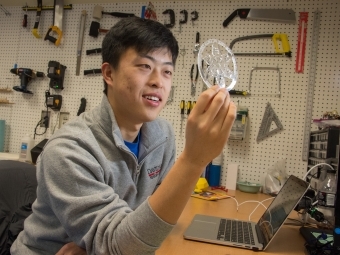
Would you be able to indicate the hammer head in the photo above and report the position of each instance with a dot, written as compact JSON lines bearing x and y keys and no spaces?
{"x":97,"y":12}
{"x":94,"y":29}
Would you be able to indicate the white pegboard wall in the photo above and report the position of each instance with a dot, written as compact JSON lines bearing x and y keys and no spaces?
{"x":18,"y":45}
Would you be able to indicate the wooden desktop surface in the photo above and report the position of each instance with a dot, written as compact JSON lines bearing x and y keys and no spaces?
{"x":287,"y":241}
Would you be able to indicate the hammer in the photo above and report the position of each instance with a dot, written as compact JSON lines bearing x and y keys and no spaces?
{"x":95,"y":29}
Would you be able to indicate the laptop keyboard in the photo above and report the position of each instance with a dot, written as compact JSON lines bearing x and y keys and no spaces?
{"x":235,"y":231}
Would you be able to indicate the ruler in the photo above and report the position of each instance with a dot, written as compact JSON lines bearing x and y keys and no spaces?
{"x":301,"y":49}
{"x":80,"y":40}
{"x":311,"y":83}
{"x":269,"y":116}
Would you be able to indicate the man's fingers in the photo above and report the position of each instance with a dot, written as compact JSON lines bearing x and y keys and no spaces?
{"x":229,"y":118}
{"x":217,"y":105}
{"x":204,"y":100}
{"x":222,"y":110}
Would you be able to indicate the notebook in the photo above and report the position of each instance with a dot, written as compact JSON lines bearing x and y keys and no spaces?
{"x":247,"y":234}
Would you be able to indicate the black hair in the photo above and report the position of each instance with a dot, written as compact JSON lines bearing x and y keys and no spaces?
{"x":143,"y":35}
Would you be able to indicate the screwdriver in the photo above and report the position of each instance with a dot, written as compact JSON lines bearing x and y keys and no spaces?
{"x":193,"y":104}
{"x":238,"y":92}
{"x":188,"y":107}
{"x":182,"y":107}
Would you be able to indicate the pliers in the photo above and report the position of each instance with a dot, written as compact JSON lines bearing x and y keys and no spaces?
{"x":193,"y":82}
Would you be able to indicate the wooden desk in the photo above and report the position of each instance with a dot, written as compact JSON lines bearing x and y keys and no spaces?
{"x":287,"y":241}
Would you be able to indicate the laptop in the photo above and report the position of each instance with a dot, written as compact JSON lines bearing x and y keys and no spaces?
{"x":247,"y":234}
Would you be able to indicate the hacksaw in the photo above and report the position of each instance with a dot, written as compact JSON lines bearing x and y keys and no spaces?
{"x":283,"y":38}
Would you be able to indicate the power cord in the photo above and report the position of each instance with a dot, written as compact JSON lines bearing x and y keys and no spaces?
{"x":259,"y":203}
{"x":320,"y":164}
{"x":44,"y":120}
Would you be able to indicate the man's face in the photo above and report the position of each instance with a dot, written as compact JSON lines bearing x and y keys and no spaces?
{"x":139,"y":87}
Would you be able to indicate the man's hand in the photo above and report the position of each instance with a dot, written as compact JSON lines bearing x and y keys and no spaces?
{"x":207,"y":131}
{"x":71,"y":249}
{"x":208,"y":126}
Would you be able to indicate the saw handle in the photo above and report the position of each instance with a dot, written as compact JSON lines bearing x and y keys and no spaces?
{"x":284,"y":41}
{"x":92,"y":71}
{"x":242,"y":13}
{"x":93,"y":51}
{"x":52,"y":39}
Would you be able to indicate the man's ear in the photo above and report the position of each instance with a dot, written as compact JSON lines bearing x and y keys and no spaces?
{"x":106,"y":73}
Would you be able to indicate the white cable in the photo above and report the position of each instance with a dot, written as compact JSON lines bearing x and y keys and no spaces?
{"x":259,"y":205}
{"x":235,"y":201}
{"x":269,"y":225}
{"x":252,"y":201}
{"x":320,"y":164}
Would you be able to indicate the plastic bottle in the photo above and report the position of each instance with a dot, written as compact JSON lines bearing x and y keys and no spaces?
{"x":326,"y":194}
{"x":27,"y":144}
{"x":215,"y":171}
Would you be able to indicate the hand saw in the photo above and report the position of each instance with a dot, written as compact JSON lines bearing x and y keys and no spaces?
{"x":58,"y":23}
{"x":37,"y":20}
{"x":275,"y":15}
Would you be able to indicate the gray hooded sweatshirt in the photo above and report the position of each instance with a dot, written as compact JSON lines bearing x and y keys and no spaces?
{"x":92,"y":190}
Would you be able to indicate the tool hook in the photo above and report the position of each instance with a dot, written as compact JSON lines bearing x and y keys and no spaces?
{"x":194,"y":16}
{"x":172,"y":18}
{"x":185,"y":13}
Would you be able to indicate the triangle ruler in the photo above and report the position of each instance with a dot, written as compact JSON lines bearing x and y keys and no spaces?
{"x":268,"y":118}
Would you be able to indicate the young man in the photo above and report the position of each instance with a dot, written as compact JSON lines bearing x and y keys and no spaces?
{"x":108,"y":181}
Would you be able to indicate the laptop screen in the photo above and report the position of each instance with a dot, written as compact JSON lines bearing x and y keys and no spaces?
{"x":284,"y":203}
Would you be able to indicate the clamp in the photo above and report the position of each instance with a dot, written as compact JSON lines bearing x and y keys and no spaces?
{"x":172,"y":18}
{"x":194,"y":16}
{"x":183,"y":21}
{"x":193,"y":81}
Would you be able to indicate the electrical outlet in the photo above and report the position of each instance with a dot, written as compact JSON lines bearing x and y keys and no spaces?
{"x":44,"y":122}
{"x":63,"y":118}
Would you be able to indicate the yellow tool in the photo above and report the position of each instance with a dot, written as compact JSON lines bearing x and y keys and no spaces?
{"x":238,"y":92}
{"x":193,"y":105}
{"x":283,"y":38}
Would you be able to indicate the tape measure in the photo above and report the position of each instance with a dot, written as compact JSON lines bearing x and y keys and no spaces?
{"x":311,"y":83}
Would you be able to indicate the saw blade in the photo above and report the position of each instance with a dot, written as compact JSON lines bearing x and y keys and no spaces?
{"x":58,"y":13}
{"x":277,"y":15}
